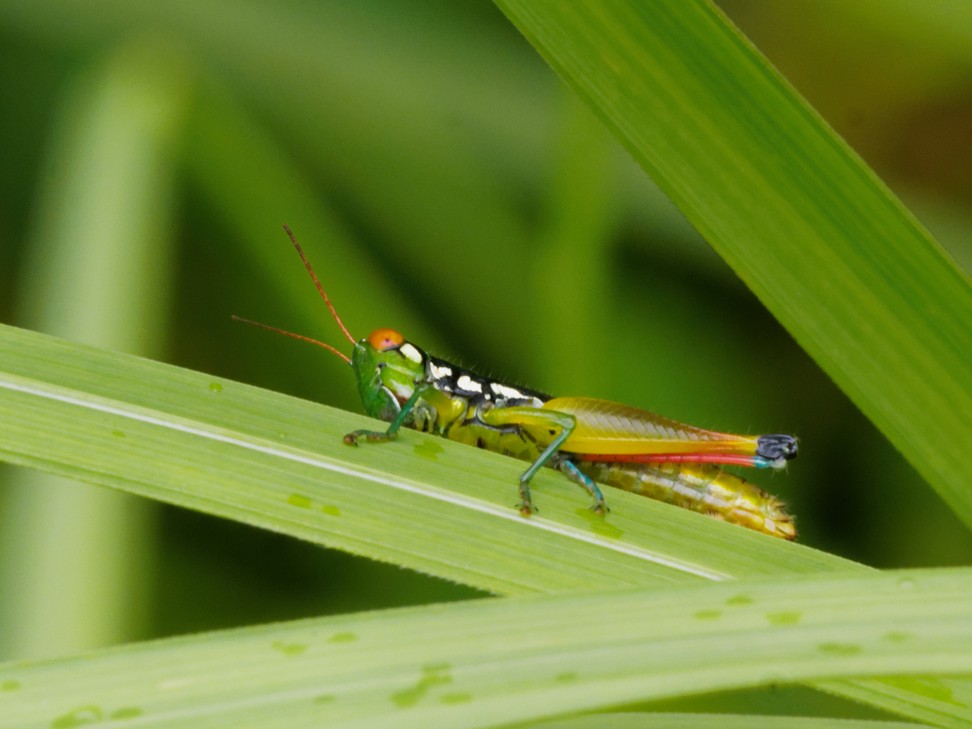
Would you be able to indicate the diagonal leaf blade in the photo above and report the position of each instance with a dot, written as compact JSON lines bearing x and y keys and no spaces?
{"x":486,"y":663}
{"x":822,"y":242}
{"x":277,"y":462}
{"x":653,"y":720}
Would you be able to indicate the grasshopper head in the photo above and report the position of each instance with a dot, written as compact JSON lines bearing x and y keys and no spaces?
{"x":386,"y":367}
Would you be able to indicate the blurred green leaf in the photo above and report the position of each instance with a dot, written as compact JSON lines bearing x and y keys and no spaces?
{"x":111,"y":183}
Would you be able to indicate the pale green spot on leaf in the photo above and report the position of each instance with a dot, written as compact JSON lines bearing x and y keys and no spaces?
{"x":79,"y":717}
{"x":896,"y":636}
{"x":126,"y":712}
{"x":289,"y":649}
{"x":344,"y":637}
{"x":784,"y":617}
{"x":456,"y":698}
{"x":427,"y":449}
{"x":839,"y":649}
{"x":299,"y":500}
{"x":433,"y":675}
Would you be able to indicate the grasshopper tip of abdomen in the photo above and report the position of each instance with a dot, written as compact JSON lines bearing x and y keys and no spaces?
{"x":776,"y":448}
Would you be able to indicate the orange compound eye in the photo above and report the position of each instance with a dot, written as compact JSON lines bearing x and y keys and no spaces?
{"x":385,"y":339}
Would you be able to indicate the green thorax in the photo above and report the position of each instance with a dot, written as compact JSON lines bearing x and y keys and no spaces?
{"x":389,"y":370}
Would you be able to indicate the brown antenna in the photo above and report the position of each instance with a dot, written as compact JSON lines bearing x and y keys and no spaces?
{"x":320,"y":289}
{"x":301,"y":337}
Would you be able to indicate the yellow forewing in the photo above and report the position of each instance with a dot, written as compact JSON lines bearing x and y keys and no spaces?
{"x":609,"y":428}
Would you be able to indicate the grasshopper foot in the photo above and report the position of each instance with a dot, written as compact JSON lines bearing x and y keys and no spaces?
{"x":600,"y":508}
{"x":526,"y":508}
{"x":372,"y":436}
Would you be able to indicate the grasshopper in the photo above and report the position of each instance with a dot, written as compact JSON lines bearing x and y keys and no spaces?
{"x":589,"y":440}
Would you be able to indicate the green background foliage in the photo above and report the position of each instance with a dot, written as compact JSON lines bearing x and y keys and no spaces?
{"x":445,"y":182}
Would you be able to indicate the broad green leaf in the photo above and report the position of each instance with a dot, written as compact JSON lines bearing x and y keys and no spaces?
{"x":823,"y":243}
{"x":236,"y":451}
{"x":489,"y":662}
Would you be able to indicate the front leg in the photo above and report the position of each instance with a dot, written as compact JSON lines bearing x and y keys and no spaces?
{"x":378,"y":436}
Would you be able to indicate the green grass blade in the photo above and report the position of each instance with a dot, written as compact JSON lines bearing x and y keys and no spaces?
{"x":487,"y":663}
{"x":261,"y":458}
{"x":712,"y":721}
{"x":812,"y":231}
